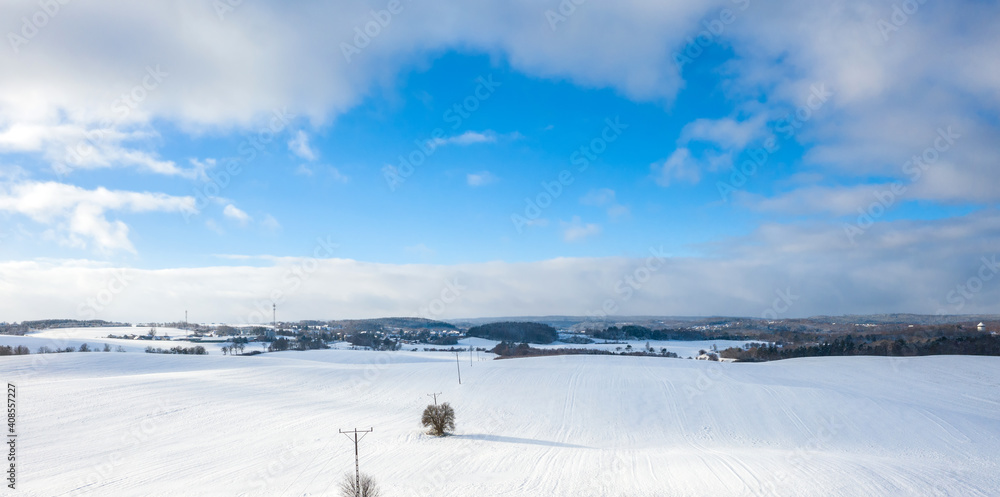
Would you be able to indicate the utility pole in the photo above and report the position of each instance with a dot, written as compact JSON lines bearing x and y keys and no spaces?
{"x":470,"y":356}
{"x":274,"y":316}
{"x":185,"y":320}
{"x":435,"y":395}
{"x":357,"y":467}
{"x":459,"y":366}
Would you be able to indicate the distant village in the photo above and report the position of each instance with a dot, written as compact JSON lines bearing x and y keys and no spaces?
{"x":763,"y":339}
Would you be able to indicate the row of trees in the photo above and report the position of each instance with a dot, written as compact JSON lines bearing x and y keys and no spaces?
{"x":237,"y":346}
{"x":537,"y":333}
{"x":196,"y":350}
{"x":632,"y":332}
{"x":373,"y":342}
{"x":511,"y":349}
{"x":19,"y":350}
{"x":82,"y":348}
{"x":302,"y":342}
{"x":988,"y":345}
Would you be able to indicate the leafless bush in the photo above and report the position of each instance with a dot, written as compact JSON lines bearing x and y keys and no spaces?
{"x":349,"y":486}
{"x":439,"y":418}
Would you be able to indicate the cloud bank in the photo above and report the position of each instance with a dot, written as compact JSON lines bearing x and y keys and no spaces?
{"x":937,"y":267}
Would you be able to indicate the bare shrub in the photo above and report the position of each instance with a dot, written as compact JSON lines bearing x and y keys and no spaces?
{"x":349,"y":486}
{"x":439,"y":418}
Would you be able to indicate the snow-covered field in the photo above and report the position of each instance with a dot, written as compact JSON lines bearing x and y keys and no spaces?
{"x":142,"y":424}
{"x":60,"y":338}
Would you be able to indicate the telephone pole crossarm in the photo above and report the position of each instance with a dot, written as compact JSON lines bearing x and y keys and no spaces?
{"x":357,"y":467}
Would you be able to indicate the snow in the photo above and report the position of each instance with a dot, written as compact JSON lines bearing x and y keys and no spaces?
{"x":60,"y":338}
{"x":164,"y":425}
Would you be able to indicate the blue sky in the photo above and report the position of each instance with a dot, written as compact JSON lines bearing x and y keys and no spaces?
{"x":822,"y":108}
{"x":531,"y":127}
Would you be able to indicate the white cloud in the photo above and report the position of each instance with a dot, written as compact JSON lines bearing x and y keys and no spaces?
{"x":606,"y":197}
{"x":299,"y":145}
{"x":599,"y":197}
{"x":617,"y":211}
{"x":721,"y":141}
{"x":338,"y":176}
{"x":72,"y":146}
{"x":78,"y":217}
{"x":937,"y":69}
{"x":481,"y":178}
{"x":234,"y":213}
{"x":214,"y":226}
{"x":270,"y":224}
{"x":836,"y":200}
{"x":537,"y":223}
{"x":467,"y":138}
{"x":295,"y":67}
{"x":575,"y":230}
{"x":727,"y":133}
{"x":902,"y":266}
{"x":334,"y":173}
{"x":680,"y":166}
{"x":887,"y":92}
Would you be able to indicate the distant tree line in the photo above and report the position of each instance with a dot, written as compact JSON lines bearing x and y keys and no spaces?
{"x":984,"y":345}
{"x":44,"y":349}
{"x":506,"y":350}
{"x":236,"y":346}
{"x":373,"y":342}
{"x":196,"y":350}
{"x":352,"y":326}
{"x":537,"y":333}
{"x":19,"y":350}
{"x":302,"y":342}
{"x":632,"y":332}
{"x":26,"y":326}
{"x":13,"y":329}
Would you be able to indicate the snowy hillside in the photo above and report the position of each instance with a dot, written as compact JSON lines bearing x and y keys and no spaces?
{"x":152,"y":425}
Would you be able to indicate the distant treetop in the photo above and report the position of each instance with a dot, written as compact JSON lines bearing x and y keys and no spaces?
{"x":536,"y":333}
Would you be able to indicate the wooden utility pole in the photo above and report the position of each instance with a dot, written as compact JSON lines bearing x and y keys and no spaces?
{"x":459,"y":366}
{"x":357,"y":467}
{"x":435,"y":395}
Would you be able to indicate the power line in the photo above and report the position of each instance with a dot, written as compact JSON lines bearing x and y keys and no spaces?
{"x":357,"y":468}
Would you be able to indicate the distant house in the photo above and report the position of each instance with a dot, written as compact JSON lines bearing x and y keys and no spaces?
{"x":981,"y":327}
